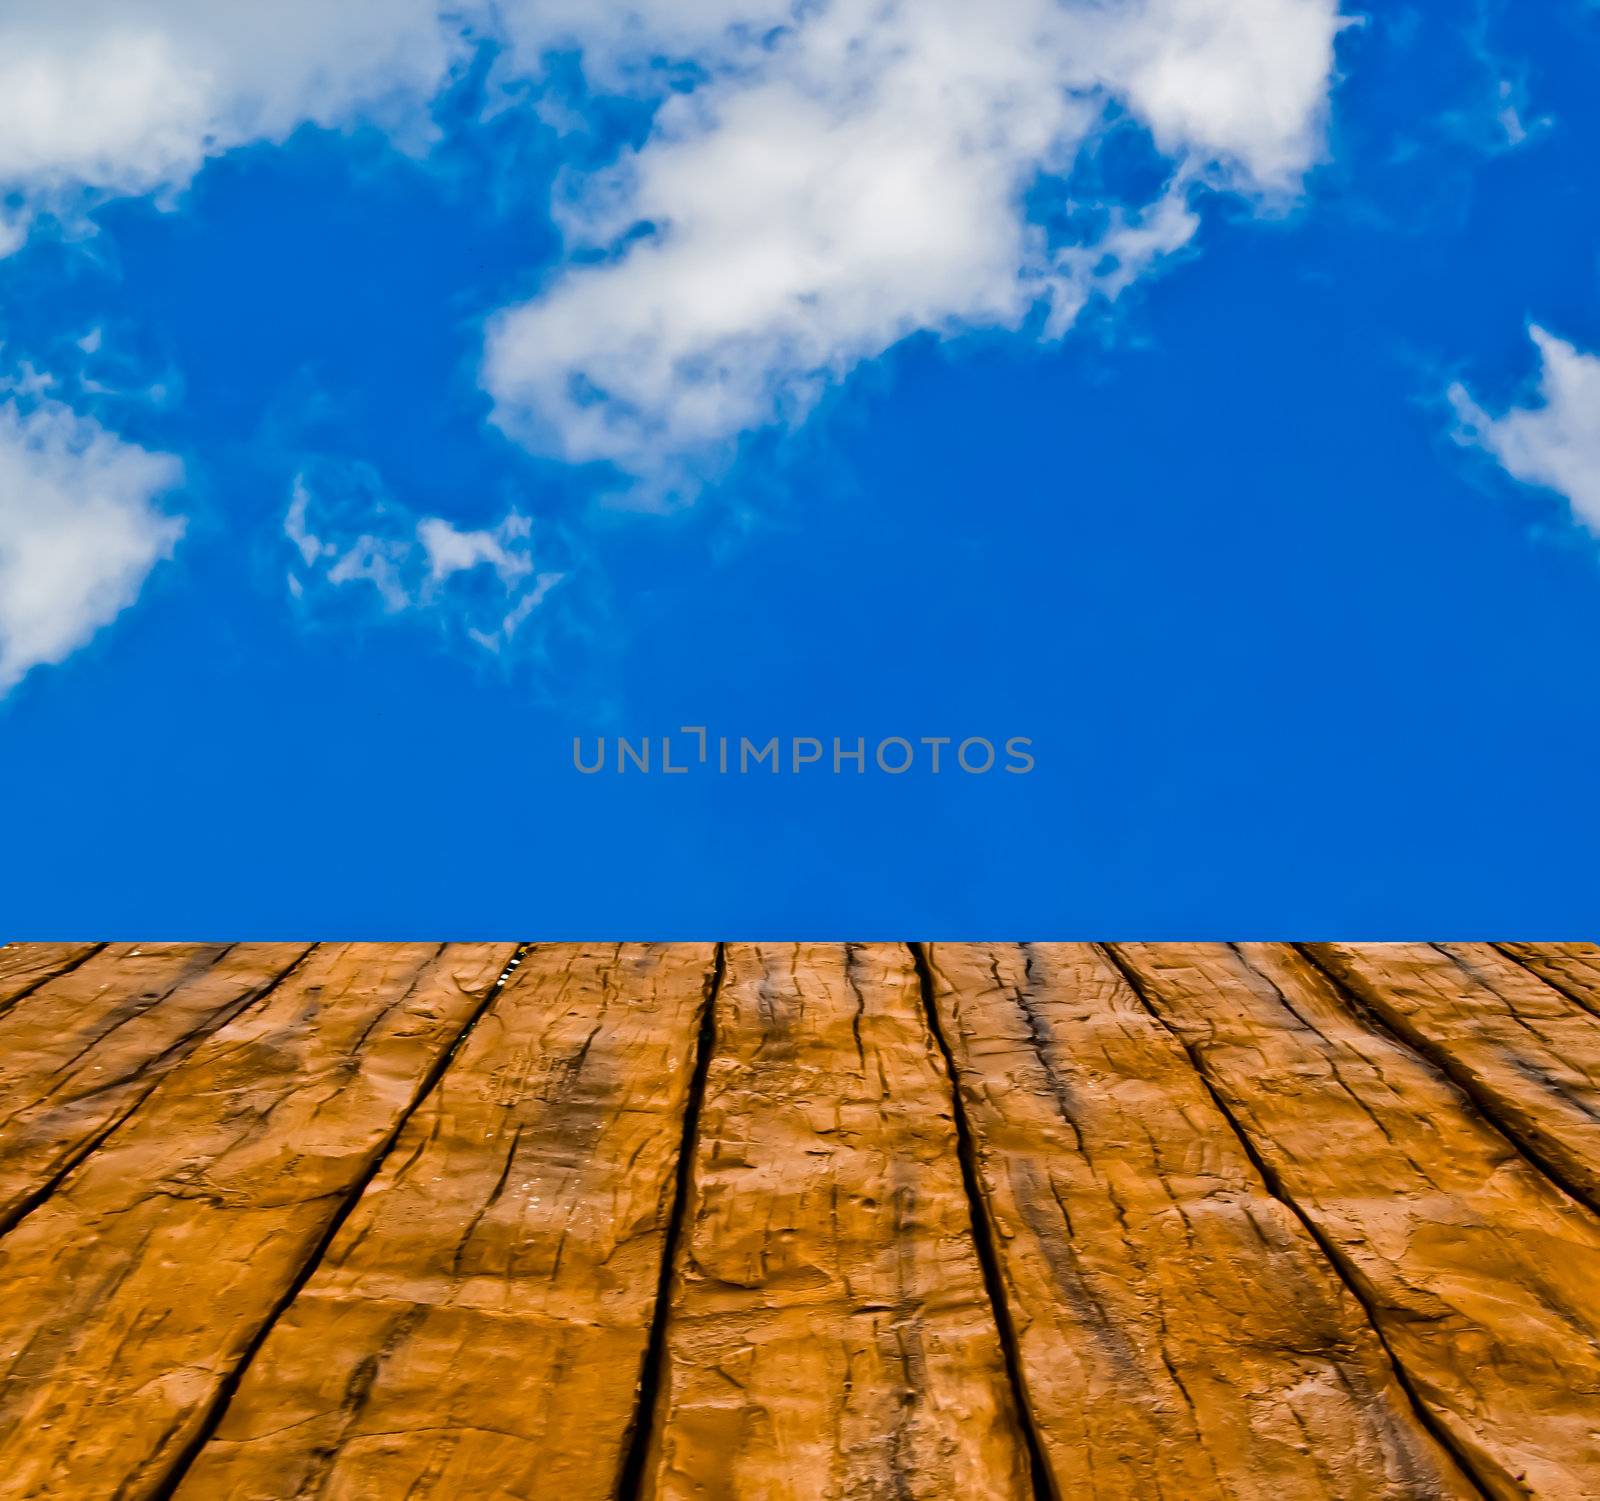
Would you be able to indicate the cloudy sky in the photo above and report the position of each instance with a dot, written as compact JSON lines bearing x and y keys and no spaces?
{"x":1206,"y":390}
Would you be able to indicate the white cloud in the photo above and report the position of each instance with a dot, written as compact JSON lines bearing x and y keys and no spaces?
{"x":845,"y":173}
{"x":13,"y":231}
{"x":1243,"y":82}
{"x":132,"y":96}
{"x":861,"y":177}
{"x":79,"y":530}
{"x":450,"y":551}
{"x":1554,"y":444}
{"x":344,"y":535}
{"x":842,"y":174}
{"x":620,"y":40}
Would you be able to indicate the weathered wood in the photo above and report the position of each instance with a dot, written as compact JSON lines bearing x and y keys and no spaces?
{"x":132,"y":1292}
{"x":830,"y":1333}
{"x":1180,"y":1333}
{"x":111,"y":983}
{"x":79,"y":1054}
{"x":1479,"y":1272}
{"x":1526,"y":1053}
{"x":1573,"y":968}
{"x":23,"y":966}
{"x":478,"y":1326}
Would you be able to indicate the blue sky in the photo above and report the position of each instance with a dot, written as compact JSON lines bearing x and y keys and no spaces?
{"x":1158,"y":382}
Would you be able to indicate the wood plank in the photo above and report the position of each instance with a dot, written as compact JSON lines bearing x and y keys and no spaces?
{"x":830,"y":1332}
{"x":478,"y":1326}
{"x":80,"y":1053}
{"x":133,"y":1291}
{"x":116,"y":980}
{"x":1478,"y":1271}
{"x":1180,"y":1334}
{"x":1573,"y":968}
{"x":23,"y":966}
{"x":1526,"y":1053}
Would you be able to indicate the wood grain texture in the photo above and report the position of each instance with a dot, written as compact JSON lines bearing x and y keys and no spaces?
{"x":1573,"y":968}
{"x":23,"y":966}
{"x":830,"y":1334}
{"x":478,"y":1326}
{"x":134,"y":1290}
{"x":1180,"y":1333}
{"x":1479,"y":1272}
{"x":1527,"y":1054}
{"x":357,"y":1223}
{"x":79,"y":1054}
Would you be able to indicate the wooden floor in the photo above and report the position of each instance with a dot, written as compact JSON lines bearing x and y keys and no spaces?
{"x":831,"y":1222}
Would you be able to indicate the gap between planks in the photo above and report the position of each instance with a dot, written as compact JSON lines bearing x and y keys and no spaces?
{"x":1342,"y":1269}
{"x":1044,"y":1488}
{"x":167,"y":1487}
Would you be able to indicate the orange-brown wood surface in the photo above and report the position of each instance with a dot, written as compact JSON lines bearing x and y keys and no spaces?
{"x":785,"y":1222}
{"x":478,"y":1326}
{"x":135,"y":1289}
{"x":1573,"y":968}
{"x":1179,"y":1331}
{"x":25,"y":966}
{"x":85,"y":1048}
{"x":1527,"y":1054}
{"x":1478,"y":1271}
{"x":830,"y":1332}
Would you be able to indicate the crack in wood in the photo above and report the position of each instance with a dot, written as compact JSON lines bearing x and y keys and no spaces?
{"x":893,"y":1222}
